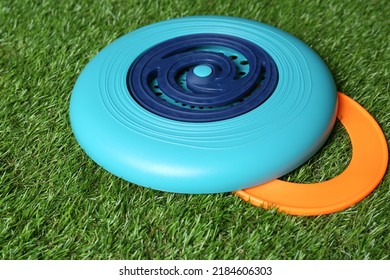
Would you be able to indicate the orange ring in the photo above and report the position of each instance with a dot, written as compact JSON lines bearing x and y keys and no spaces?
{"x":366,"y":169}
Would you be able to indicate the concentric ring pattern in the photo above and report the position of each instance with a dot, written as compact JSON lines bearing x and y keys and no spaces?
{"x":168,"y":79}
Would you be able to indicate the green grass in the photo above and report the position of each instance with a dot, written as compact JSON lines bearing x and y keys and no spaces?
{"x":55,"y":203}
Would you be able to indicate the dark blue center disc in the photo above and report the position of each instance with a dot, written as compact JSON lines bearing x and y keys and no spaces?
{"x":202,"y":77}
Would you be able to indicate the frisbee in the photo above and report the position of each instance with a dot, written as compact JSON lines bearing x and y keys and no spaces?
{"x":365,"y":171}
{"x":203,"y":104}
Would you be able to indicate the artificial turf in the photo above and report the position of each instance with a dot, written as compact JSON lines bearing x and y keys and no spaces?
{"x":56,"y":203}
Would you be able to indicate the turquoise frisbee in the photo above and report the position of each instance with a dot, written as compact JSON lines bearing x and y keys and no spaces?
{"x":203,"y":104}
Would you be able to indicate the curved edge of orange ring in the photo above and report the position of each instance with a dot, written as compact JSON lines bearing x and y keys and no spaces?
{"x":365,"y":171}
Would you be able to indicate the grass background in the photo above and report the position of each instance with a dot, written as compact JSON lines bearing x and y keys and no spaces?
{"x":55,"y":203}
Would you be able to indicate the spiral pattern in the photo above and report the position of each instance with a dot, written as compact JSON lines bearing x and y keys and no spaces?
{"x":202,"y":77}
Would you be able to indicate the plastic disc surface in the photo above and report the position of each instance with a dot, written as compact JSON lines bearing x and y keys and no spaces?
{"x":366,"y":169}
{"x":270,"y":104}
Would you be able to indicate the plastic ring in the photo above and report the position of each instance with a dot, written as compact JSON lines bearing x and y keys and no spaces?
{"x":366,"y":169}
{"x":209,"y":157}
